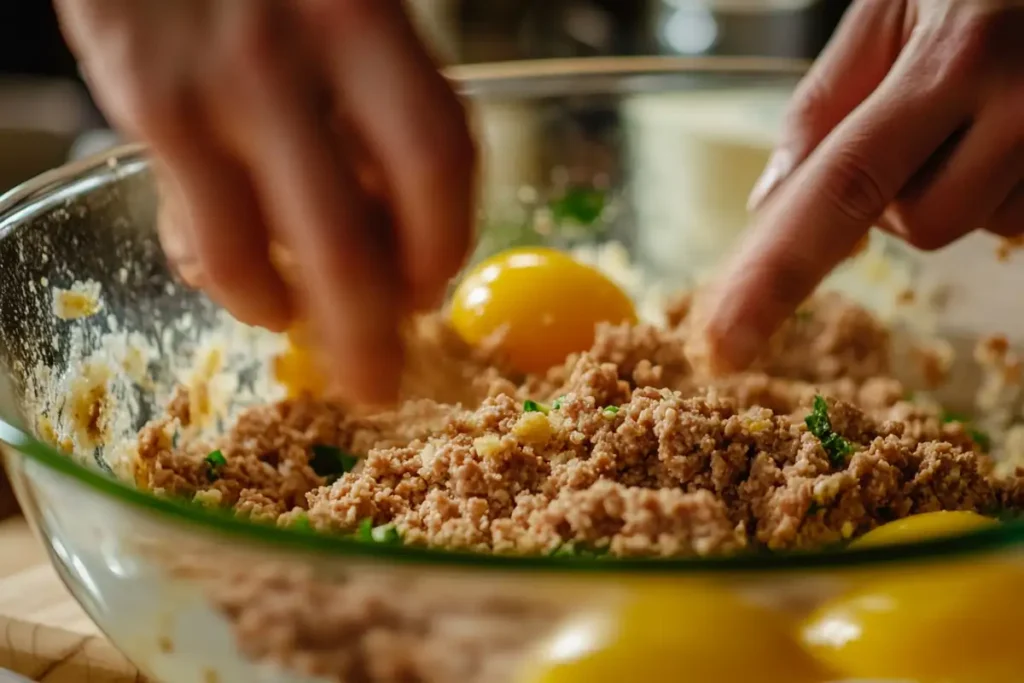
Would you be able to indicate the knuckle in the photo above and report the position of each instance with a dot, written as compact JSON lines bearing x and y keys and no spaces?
{"x":854,"y":190}
{"x":958,"y":49}
{"x":806,"y":111}
{"x":813,"y":93}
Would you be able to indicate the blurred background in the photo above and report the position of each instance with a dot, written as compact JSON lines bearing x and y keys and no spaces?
{"x":44,"y":109}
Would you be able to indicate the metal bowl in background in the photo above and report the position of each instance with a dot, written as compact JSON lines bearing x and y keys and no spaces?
{"x":193,"y":596}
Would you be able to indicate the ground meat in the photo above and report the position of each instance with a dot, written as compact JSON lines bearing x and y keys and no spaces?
{"x":627,"y":449}
{"x":626,"y":452}
{"x":826,"y":340}
{"x":372,"y":626}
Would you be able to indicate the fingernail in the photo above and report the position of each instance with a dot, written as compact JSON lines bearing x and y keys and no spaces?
{"x":780,"y":165}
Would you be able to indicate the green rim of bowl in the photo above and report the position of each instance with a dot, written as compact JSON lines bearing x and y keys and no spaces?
{"x":54,"y":185}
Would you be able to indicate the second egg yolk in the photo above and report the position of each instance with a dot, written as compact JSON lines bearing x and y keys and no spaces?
{"x":543,"y":303}
{"x":924,"y":526}
{"x":952,"y":624}
{"x":679,"y":635}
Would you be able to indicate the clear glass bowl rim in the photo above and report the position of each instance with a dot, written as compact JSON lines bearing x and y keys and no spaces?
{"x":524,"y":80}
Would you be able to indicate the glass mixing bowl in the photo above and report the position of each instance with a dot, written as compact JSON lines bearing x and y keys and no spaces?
{"x":655,"y":154}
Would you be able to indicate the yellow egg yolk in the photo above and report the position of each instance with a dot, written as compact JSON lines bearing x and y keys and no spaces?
{"x":924,"y":526}
{"x":680,"y":635}
{"x":957,"y":624}
{"x":543,"y":303}
{"x":296,"y":369}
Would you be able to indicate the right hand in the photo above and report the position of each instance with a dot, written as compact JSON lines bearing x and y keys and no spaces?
{"x":319,"y":125}
{"x":912,"y":119}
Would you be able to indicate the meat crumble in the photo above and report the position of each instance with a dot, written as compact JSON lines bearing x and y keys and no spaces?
{"x":626,"y":449}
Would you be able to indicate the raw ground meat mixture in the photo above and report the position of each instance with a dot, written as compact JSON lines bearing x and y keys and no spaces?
{"x":625,"y":449}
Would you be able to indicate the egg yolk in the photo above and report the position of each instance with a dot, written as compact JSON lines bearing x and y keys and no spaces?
{"x":544,"y":303}
{"x":296,"y":369}
{"x":951,"y":625}
{"x":681,"y":635}
{"x":925,"y":526}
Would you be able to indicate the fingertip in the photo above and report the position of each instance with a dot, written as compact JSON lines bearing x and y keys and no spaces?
{"x":370,"y":378}
{"x":722,"y":342}
{"x":733,"y":345}
{"x":251,"y":289}
{"x":278,"y":321}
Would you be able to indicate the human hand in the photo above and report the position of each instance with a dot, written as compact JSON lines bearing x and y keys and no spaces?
{"x":913,"y":120}
{"x":321,"y":126}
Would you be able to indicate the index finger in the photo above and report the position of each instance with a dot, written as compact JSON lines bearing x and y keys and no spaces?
{"x":414,"y":127}
{"x":348,"y":289}
{"x":820,"y":215}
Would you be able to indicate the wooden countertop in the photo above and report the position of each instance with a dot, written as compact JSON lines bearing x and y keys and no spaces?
{"x":44,"y":634}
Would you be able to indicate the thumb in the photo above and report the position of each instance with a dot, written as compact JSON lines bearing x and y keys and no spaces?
{"x":851,"y":67}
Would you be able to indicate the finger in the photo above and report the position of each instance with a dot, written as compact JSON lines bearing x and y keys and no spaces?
{"x":852,"y":65}
{"x":175,"y":236}
{"x":209,"y":221}
{"x":1008,"y":219}
{"x":963,"y":192}
{"x":313,"y":203}
{"x":815,"y":221}
{"x":413,"y":125}
{"x":220,"y":241}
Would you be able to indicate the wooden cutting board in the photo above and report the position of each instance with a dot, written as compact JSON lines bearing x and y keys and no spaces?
{"x":44,"y":634}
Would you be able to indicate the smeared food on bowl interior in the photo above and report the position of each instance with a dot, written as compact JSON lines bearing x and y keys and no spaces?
{"x":540,"y":416}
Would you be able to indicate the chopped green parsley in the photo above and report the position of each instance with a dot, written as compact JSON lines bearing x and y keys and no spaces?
{"x":331,"y":462}
{"x":835,"y":445}
{"x":534,"y":407}
{"x":215,"y":461}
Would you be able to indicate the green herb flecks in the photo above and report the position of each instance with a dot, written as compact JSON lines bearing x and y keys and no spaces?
{"x":836,"y":446}
{"x":573,"y":549}
{"x":214,"y":462}
{"x":980,"y":438}
{"x":1005,"y":514}
{"x":983,"y":440}
{"x":331,"y":462}
{"x":386,"y":534}
{"x":608,"y":412}
{"x":557,"y":405}
{"x":301,"y":522}
{"x":534,"y":407}
{"x":579,"y":205}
